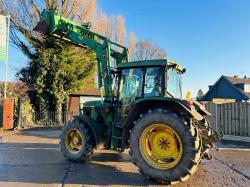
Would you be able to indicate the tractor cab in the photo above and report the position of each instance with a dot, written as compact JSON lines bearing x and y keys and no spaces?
{"x":144,"y":80}
{"x":152,"y":78}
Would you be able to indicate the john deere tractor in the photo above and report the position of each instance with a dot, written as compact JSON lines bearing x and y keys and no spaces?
{"x":141,"y":109}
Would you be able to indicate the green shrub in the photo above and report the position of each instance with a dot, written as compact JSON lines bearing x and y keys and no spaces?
{"x":27,"y":113}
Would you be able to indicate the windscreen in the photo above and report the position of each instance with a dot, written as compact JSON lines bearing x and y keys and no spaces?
{"x":174,"y":83}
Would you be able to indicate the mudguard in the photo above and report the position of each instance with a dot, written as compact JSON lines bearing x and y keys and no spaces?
{"x":176,"y":105}
{"x":200,"y":108}
{"x":95,"y":128}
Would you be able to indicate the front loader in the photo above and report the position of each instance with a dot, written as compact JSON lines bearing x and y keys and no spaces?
{"x":141,"y":109}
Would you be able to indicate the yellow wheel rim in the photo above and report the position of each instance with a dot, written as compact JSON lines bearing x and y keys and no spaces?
{"x":161,"y":146}
{"x":73,"y":141}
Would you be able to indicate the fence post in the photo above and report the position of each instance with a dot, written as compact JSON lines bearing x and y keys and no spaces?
{"x":241,"y":119}
{"x":230,"y":118}
{"x":246,"y":119}
{"x":225,"y":118}
{"x":216,"y":117}
{"x":233,"y":119}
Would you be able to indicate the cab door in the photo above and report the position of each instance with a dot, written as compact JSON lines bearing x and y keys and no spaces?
{"x":130,"y":89}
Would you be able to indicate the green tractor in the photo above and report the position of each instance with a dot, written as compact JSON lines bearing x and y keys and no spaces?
{"x":141,"y":109}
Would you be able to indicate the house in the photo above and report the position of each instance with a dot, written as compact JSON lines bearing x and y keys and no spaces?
{"x":229,"y":89}
{"x":75,"y":99}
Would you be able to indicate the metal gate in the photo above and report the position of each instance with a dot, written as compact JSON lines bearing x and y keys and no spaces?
{"x":46,"y":118}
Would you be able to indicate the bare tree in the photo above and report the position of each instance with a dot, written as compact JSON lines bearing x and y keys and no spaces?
{"x":120,"y":29}
{"x":89,"y":11}
{"x":110,"y":27}
{"x":132,"y":40}
{"x":146,"y":50}
{"x":101,"y":24}
{"x":25,"y":15}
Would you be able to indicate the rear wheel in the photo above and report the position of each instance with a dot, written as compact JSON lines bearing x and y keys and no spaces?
{"x":160,"y":146}
{"x":76,"y":141}
{"x":165,"y":147}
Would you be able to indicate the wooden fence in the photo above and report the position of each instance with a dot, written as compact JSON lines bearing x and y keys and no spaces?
{"x":230,"y":118}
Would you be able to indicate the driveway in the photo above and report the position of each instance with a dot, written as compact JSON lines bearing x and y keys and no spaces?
{"x":32,"y":158}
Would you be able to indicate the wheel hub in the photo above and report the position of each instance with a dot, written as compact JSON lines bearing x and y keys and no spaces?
{"x":73,"y":141}
{"x":76,"y":140}
{"x":164,"y":143}
{"x":161,"y":146}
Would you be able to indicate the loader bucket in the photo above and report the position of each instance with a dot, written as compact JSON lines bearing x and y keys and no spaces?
{"x":41,"y":27}
{"x":47,"y":22}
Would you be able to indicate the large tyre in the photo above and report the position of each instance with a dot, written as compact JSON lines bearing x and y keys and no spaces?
{"x":165,"y":147}
{"x":76,"y":141}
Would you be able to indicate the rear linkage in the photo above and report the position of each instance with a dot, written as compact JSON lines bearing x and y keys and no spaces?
{"x":209,"y":137}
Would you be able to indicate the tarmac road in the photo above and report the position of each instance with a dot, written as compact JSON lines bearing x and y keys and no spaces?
{"x":33,"y":158}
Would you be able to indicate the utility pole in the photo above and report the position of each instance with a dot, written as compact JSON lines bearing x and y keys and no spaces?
{"x":7,"y":56}
{"x":4,"y":46}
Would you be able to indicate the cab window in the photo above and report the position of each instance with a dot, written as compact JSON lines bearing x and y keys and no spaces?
{"x":131,"y":83}
{"x":174,"y":83}
{"x":153,"y":82}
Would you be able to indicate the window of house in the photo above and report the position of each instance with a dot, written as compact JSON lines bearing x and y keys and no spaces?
{"x":247,"y":88}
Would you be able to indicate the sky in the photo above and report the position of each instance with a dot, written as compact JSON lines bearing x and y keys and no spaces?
{"x":209,"y":38}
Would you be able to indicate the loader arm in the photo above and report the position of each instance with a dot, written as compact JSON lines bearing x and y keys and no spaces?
{"x":57,"y":26}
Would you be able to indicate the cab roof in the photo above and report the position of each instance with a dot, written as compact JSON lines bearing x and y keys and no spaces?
{"x":161,"y":62}
{"x":158,"y":62}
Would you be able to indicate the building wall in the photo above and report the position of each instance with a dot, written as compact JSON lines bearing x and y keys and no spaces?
{"x":246,"y":87}
{"x":73,"y":104}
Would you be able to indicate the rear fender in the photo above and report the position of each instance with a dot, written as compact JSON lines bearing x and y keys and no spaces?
{"x":201,"y":109}
{"x":176,"y":105}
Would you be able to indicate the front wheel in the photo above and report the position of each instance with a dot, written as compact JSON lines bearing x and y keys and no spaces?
{"x":76,"y":141}
{"x":165,"y":147}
